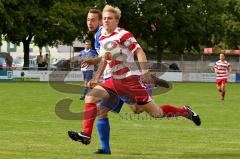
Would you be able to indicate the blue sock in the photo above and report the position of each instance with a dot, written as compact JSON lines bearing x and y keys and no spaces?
{"x":103,"y":127}
{"x":85,"y":91}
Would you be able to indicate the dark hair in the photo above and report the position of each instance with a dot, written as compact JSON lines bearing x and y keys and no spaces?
{"x":96,"y":11}
{"x":87,"y":41}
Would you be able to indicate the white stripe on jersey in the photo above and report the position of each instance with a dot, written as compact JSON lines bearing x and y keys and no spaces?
{"x":222,"y":69}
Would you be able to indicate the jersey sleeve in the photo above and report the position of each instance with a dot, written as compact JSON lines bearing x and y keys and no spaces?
{"x":215,"y":66}
{"x":96,"y":42}
{"x":94,"y":53}
{"x":128,"y":40}
{"x":80,"y":53}
{"x":228,"y":65}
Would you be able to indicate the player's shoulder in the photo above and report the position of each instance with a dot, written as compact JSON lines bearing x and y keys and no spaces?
{"x":226,"y":62}
{"x":122,"y":31}
{"x":93,"y":51}
{"x":99,"y":32}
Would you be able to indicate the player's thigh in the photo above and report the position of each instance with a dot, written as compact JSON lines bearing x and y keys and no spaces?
{"x":223,"y":86}
{"x":224,"y":82}
{"x":218,"y":84}
{"x":96,"y":94}
{"x":136,"y":109}
{"x":152,"y":109}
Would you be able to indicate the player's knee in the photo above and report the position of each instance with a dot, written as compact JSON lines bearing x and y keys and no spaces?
{"x":137,"y":110}
{"x":91,"y":99}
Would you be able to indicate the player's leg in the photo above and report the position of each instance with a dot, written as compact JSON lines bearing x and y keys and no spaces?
{"x":136,"y":109}
{"x":133,"y":89}
{"x":171,"y":111}
{"x":88,"y":75}
{"x":223,"y":85}
{"x":103,"y":128}
{"x":82,"y":97}
{"x":218,"y":85}
{"x":97,"y":94}
{"x":114,"y":104}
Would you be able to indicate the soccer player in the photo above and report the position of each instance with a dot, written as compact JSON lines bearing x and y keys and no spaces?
{"x":118,"y":47}
{"x":222,"y":69}
{"x":94,"y":23}
{"x":87,"y":70}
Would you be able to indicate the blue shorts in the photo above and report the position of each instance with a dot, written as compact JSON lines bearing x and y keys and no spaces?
{"x":87,"y":75}
{"x":114,"y":104}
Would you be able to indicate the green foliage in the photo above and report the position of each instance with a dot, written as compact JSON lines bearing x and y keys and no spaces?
{"x":45,"y":22}
{"x":178,"y":26}
{"x":231,"y":22}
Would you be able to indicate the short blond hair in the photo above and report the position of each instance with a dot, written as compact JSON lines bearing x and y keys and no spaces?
{"x":115,"y":10}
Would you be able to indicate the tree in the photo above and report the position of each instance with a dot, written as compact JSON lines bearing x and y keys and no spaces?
{"x":178,"y":25}
{"x":231,"y":22}
{"x":43,"y":22}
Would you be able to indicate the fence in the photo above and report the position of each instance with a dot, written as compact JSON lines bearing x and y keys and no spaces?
{"x":200,"y":63}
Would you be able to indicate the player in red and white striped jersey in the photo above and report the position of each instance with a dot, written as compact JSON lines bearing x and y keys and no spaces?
{"x":222,"y":69}
{"x":118,"y":48}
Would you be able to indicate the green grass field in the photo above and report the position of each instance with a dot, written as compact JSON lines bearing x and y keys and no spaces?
{"x":29,"y":127}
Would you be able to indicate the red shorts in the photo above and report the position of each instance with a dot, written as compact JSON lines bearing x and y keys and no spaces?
{"x":221,"y":82}
{"x":130,"y":87}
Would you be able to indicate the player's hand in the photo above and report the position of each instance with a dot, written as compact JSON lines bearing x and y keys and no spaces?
{"x":147,"y":78}
{"x":85,"y":63}
{"x":93,"y":83}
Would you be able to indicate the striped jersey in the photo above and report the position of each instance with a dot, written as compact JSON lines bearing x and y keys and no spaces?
{"x":222,"y":69}
{"x":118,"y":50}
{"x":107,"y":72}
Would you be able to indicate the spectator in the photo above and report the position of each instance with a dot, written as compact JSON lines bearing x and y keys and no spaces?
{"x":87,"y":70}
{"x":40,"y":61}
{"x":9,"y":61}
{"x":45,"y":62}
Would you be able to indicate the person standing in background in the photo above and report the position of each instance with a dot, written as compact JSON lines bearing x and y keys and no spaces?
{"x":9,"y":61}
{"x":222,"y":69}
{"x":40,"y":61}
{"x":88,"y":52}
{"x":45,"y":62}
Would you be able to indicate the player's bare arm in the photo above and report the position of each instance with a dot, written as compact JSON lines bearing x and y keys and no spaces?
{"x":99,"y":72}
{"x":90,"y":61}
{"x":215,"y":70}
{"x":142,"y":59}
{"x":229,"y":69}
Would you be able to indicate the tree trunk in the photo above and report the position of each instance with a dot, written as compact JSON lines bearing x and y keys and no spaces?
{"x":26,"y":46}
{"x":159,"y":54}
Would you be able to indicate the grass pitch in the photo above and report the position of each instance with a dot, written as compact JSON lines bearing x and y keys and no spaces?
{"x":30,"y":129}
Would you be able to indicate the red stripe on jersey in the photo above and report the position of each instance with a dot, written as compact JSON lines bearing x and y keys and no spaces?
{"x":107,"y":36}
{"x":121,"y":71}
{"x":132,"y":46}
{"x":114,"y":62}
{"x":222,"y":69}
{"x":125,"y":37}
